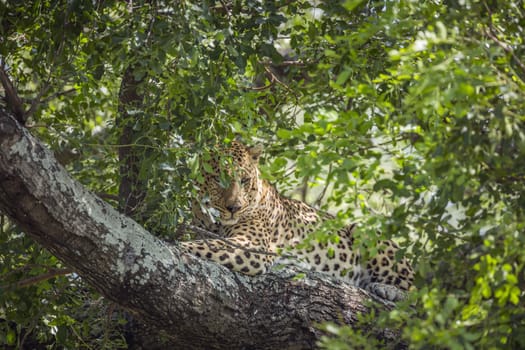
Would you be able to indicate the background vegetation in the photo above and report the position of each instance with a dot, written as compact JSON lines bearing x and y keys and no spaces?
{"x":404,"y":116}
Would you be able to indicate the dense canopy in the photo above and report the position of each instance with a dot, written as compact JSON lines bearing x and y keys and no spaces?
{"x":406,"y":117}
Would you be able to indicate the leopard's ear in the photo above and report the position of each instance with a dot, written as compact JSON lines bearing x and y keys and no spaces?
{"x":255,"y":151}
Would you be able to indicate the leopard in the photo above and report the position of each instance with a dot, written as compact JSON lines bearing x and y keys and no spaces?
{"x":252,"y":224}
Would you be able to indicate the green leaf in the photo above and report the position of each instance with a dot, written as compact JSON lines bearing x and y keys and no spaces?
{"x":10,"y":337}
{"x":343,"y":77}
{"x":350,"y":5}
{"x":283,"y":134}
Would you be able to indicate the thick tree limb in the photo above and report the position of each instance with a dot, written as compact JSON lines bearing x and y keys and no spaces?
{"x":198,"y":304}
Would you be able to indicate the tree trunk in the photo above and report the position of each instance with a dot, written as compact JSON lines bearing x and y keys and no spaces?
{"x":196,"y":303}
{"x":132,"y":189}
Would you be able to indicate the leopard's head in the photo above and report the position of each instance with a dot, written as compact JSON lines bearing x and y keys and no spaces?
{"x":232,"y":185}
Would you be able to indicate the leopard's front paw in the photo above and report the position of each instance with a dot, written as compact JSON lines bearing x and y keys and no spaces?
{"x":386,"y":291}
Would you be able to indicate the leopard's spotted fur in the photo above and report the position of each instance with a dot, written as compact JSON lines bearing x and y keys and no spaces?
{"x":254,"y":216}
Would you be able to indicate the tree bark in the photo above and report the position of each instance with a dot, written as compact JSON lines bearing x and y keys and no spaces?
{"x":132,"y":189}
{"x":196,"y":303}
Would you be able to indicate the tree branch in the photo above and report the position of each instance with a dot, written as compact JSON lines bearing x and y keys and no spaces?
{"x":57,"y":94}
{"x":196,"y":303}
{"x":491,"y":33}
{"x":36,"y":279}
{"x":132,"y":189}
{"x":14,"y":102}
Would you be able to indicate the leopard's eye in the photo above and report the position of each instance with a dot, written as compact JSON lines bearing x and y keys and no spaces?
{"x":245,"y":181}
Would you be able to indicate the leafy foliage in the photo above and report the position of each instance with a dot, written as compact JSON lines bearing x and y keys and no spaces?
{"x":405,"y":116}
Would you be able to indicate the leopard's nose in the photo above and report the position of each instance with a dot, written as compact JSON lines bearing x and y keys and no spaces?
{"x":233,"y":208}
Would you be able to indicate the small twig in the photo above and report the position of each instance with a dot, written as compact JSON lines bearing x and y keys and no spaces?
{"x":225,"y":8}
{"x":79,"y":337}
{"x":22,"y":269}
{"x":108,"y":196}
{"x":36,"y":279}
{"x":491,"y":33}
{"x":304,"y":188}
{"x":372,"y":146}
{"x":291,"y":169}
{"x":274,"y":78}
{"x":283,"y":63}
{"x":507,"y":48}
{"x":260,"y":88}
{"x":449,"y":233}
{"x":121,"y":145}
{"x":58,"y":94}
{"x":107,"y":325}
{"x":37,"y":100}
{"x":47,"y":85}
{"x":325,"y":188}
{"x":149,"y":36}
{"x":38,"y":125}
{"x":27,"y":332}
